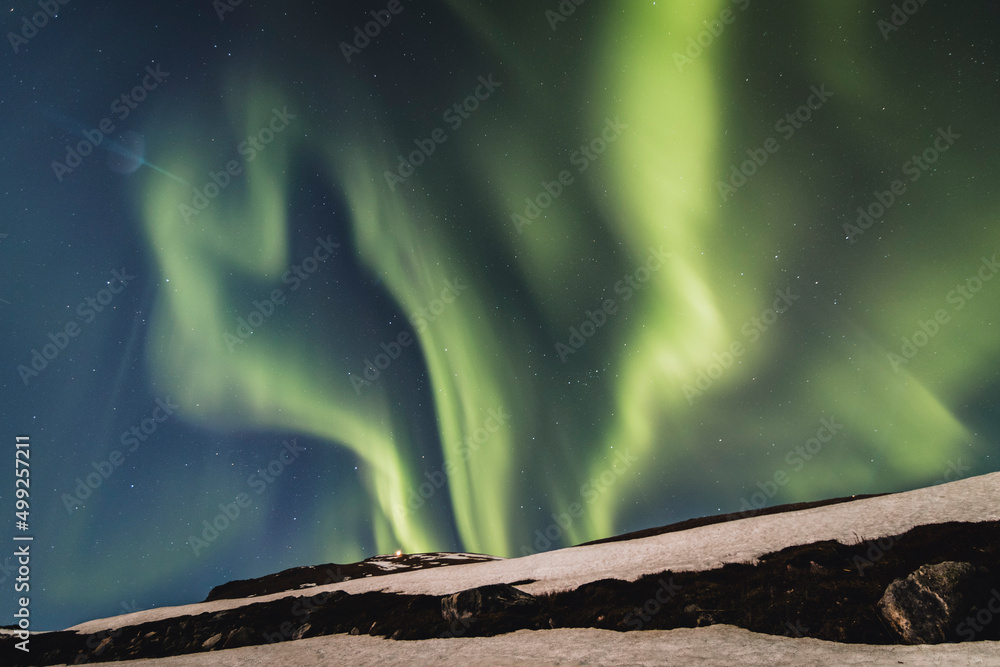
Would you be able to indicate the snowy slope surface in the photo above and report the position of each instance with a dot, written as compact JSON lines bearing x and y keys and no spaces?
{"x":713,"y":646}
{"x":707,"y":547}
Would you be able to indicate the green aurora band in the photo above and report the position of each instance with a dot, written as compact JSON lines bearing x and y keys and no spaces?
{"x":623,"y":391}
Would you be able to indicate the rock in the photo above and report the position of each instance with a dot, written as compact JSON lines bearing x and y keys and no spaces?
{"x":817,"y":569}
{"x":927,"y":606}
{"x":701,"y":617}
{"x":484,"y":600}
{"x":242,"y":636}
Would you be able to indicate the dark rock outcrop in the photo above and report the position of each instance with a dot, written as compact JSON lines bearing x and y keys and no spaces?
{"x":927,"y":606}
{"x":298,"y":578}
{"x":476,"y":602}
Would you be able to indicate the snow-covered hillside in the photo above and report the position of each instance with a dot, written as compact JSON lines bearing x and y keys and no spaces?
{"x":714,"y":646}
{"x":703,"y":550}
{"x":973,"y":499}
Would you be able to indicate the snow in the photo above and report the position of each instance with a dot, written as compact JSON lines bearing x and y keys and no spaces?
{"x":713,"y":646}
{"x":707,"y":547}
{"x":403,"y":562}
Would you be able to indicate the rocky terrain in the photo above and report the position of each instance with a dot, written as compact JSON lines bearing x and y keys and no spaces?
{"x":943,"y":581}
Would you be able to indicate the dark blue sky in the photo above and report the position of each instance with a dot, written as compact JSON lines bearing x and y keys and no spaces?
{"x":492,"y":277}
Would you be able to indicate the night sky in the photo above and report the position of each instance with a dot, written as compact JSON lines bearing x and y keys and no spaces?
{"x":496,"y":276}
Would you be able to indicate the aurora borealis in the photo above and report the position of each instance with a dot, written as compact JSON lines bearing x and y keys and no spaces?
{"x":491,"y":277}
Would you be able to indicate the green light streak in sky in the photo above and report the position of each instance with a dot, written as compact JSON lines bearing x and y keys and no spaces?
{"x":662,"y":171}
{"x":461,"y":346}
{"x":655,"y":187}
{"x":282,"y":380}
